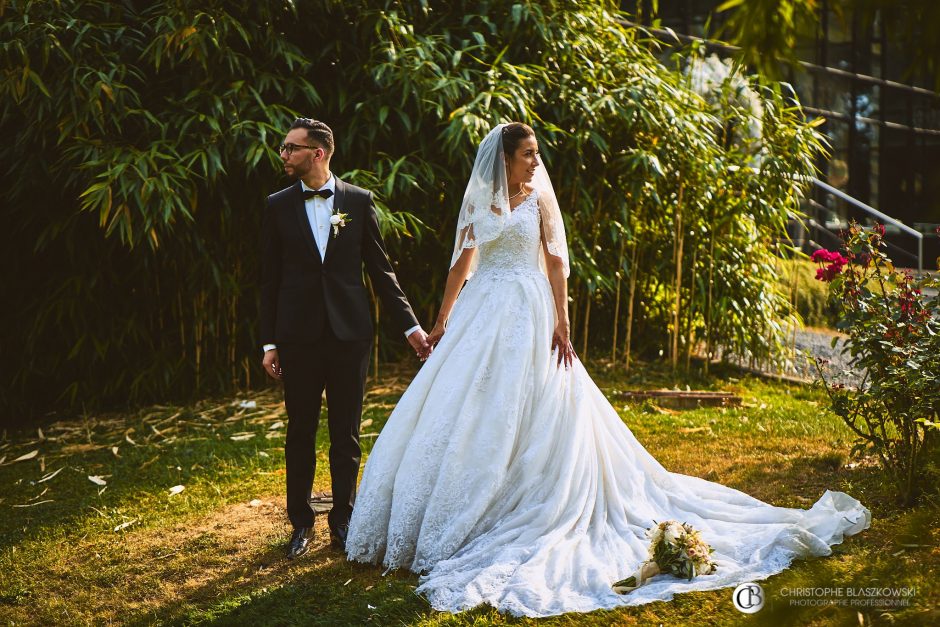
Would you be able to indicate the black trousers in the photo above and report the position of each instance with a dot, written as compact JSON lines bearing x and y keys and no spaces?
{"x":339,"y":367}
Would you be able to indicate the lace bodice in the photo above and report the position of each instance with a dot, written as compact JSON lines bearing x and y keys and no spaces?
{"x":517,"y":247}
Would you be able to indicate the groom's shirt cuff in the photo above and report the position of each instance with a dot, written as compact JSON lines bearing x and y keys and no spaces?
{"x":269,"y":347}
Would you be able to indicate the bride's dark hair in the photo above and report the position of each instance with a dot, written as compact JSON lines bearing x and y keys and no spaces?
{"x":513,"y":134}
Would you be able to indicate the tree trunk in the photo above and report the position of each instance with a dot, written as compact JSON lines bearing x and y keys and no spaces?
{"x":631,"y":298}
{"x":690,"y":312}
{"x":677,"y":247}
{"x":587,"y":322}
{"x":197,"y":336}
{"x":590,"y":292}
{"x":613,"y":345}
{"x":709,"y":348}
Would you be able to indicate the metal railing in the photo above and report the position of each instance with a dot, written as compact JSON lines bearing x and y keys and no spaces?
{"x":884,"y":218}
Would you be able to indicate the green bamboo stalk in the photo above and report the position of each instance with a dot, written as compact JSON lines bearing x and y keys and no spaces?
{"x":677,"y":247}
{"x":619,"y":275}
{"x":631,"y":299}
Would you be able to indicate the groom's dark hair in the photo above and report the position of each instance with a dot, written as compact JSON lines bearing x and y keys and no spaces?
{"x":317,"y":132}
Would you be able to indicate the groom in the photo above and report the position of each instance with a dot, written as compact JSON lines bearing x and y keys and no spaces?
{"x":316,"y":325}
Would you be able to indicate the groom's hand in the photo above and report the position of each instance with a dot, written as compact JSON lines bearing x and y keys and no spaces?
{"x":419,"y":342}
{"x":272,"y":365}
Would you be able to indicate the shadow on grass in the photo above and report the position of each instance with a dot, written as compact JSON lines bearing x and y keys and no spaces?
{"x":321,"y":588}
{"x":193,"y":448}
{"x":805,"y":478}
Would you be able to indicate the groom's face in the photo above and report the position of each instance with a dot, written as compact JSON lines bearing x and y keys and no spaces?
{"x":299,"y":163}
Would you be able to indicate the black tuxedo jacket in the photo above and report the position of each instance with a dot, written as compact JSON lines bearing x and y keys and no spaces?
{"x":300,"y":292}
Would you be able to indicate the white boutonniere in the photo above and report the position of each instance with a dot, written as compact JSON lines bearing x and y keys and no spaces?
{"x":338,"y":220}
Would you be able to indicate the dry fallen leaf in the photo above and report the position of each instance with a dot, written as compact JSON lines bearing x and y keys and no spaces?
{"x":242,"y":436}
{"x":114,"y":450}
{"x":177,"y":489}
{"x":125,"y":525}
{"x":277,"y":425}
{"x":97,"y":480}
{"x":23,"y":458}
{"x":254,"y":503}
{"x":51,"y":475}
{"x":365,"y":423}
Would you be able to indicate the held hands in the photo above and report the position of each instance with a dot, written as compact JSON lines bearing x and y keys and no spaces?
{"x":562,"y":340}
{"x":423,"y":343}
{"x":419,"y":342}
{"x":436,"y":333}
{"x":272,"y":365}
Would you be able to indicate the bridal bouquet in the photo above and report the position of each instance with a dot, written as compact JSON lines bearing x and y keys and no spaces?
{"x":675,"y":548}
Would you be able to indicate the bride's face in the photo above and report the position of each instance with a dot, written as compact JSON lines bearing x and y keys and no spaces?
{"x":522,"y":164}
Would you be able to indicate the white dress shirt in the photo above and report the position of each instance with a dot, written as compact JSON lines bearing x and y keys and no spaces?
{"x":319,"y":211}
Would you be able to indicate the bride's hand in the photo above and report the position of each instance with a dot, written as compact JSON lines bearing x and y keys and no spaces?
{"x":562,"y":340}
{"x":436,"y":334}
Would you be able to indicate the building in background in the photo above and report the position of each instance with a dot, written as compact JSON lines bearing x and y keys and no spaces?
{"x":883,"y":124}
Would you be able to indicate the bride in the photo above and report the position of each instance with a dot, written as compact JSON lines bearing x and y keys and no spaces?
{"x":504,"y":476}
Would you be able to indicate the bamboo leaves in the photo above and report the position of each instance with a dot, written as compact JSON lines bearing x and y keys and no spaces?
{"x":146,"y":140}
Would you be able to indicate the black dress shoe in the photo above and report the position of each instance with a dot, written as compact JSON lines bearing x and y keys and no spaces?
{"x":299,"y":542}
{"x":338,"y":536}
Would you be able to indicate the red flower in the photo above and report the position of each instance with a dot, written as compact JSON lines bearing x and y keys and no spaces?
{"x":828,"y":273}
{"x":835,"y":263}
{"x":879,"y":229}
{"x":828,"y":256}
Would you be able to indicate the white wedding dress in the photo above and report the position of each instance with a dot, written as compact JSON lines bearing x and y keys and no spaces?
{"x":505,"y":480}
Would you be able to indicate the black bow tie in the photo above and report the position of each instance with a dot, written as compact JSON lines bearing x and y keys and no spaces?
{"x":322,"y":193}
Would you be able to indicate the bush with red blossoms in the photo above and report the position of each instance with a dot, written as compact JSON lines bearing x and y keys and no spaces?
{"x":894,"y":339}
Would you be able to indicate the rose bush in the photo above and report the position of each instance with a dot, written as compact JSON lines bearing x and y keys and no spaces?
{"x":893,"y":323}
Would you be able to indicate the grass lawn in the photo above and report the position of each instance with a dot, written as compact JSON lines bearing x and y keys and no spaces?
{"x":122,"y":549}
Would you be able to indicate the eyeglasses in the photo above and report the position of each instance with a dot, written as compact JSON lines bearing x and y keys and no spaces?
{"x":290,"y":148}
